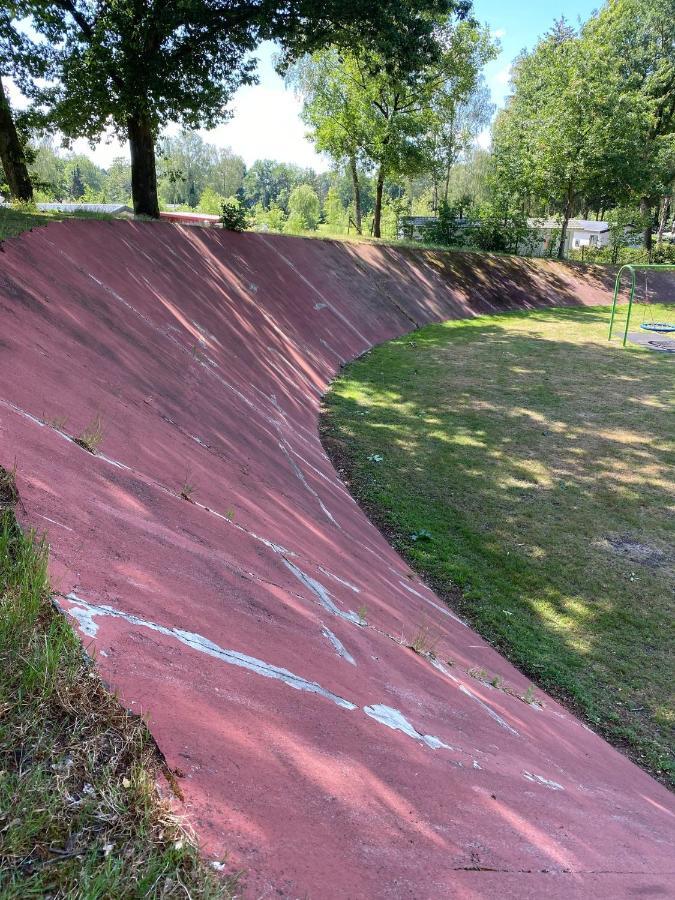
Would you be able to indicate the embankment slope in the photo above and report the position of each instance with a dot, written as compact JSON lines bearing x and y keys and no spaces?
{"x":321,"y":754}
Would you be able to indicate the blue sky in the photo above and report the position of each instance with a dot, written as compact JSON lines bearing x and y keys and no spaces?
{"x":266,"y":121}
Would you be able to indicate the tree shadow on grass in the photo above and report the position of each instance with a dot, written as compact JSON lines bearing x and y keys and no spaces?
{"x":543,"y":471}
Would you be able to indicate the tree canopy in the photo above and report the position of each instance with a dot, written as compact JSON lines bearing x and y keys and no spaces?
{"x":134,"y":67}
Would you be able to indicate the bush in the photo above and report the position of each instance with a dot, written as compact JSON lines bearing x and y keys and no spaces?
{"x":445,"y":229}
{"x":498,"y":229}
{"x":234,"y":215}
{"x":664,"y":254}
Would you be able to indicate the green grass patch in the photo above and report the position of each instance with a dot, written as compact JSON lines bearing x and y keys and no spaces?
{"x":80,"y":812}
{"x":14,"y":220}
{"x":524,"y":467}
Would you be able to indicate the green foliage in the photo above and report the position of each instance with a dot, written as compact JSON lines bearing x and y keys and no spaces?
{"x":82,"y":815}
{"x":500,"y":229}
{"x":235,"y":216}
{"x":383,"y":110}
{"x":210,"y":202}
{"x":335,"y":214}
{"x":304,"y":210}
{"x":445,"y":229}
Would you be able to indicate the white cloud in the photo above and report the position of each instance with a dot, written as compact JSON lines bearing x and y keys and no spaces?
{"x":499,"y":33}
{"x":266,"y":125}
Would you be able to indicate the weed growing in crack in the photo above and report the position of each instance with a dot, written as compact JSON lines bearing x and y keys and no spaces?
{"x":362,"y":613}
{"x":528,"y":696}
{"x":57,"y":422}
{"x":187,"y":489}
{"x":424,"y":643}
{"x":92,"y":436}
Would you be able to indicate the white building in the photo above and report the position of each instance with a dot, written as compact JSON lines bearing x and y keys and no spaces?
{"x":580,"y":233}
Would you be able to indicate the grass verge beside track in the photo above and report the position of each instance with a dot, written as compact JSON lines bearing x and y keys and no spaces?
{"x":524,"y":467}
{"x":80,"y":812}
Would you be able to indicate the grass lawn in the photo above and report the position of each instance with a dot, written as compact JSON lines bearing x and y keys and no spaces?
{"x":14,"y":221}
{"x":535,"y":465}
{"x":80,"y":812}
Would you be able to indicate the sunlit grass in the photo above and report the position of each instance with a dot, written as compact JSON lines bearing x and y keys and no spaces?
{"x":541,"y":459}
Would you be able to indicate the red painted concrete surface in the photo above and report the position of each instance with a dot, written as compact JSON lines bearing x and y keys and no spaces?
{"x":321,"y":756}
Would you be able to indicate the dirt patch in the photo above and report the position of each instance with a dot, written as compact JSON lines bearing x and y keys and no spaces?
{"x":630,"y":548}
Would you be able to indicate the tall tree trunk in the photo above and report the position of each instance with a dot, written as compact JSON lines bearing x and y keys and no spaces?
{"x":663,"y":218}
{"x":647,"y":233}
{"x":377,"y":217}
{"x":357,"y":194}
{"x":143,"y":170}
{"x":448,"y":167}
{"x":11,"y":154}
{"x":569,"y":208}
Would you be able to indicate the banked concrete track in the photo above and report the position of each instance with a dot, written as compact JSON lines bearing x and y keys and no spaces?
{"x":324,"y":757}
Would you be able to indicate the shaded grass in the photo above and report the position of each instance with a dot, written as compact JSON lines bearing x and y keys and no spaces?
{"x":539,"y":461}
{"x":15,"y":220}
{"x":80,"y":812}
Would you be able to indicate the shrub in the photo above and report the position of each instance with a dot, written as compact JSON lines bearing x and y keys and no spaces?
{"x":445,"y":229}
{"x":234,"y":215}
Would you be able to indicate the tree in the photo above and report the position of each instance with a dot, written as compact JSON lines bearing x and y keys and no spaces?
{"x":334,"y":212}
{"x":226,"y":172}
{"x":18,"y":59}
{"x":76,"y":184}
{"x":304,"y":209}
{"x":384,"y":109}
{"x":633,"y":45}
{"x":210,"y":202}
{"x":458,"y":124}
{"x":334,"y":111}
{"x":136,"y":66}
{"x":565,"y":132}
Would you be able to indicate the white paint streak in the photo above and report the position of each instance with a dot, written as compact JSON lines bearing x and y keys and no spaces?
{"x":320,"y":591}
{"x":301,"y":477}
{"x":340,"y":648}
{"x":392,"y":718}
{"x":443,"y":609}
{"x":313,"y":287}
{"x":352,"y":587}
{"x":54,"y":522}
{"x":539,"y":779}
{"x":488,"y":710}
{"x":86,"y":613}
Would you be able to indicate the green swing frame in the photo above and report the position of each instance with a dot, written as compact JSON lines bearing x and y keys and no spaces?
{"x":632,"y":268}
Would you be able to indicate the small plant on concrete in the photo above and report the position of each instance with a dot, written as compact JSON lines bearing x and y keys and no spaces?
{"x":92,"y":436}
{"x":478,"y":674}
{"x":57,"y":422}
{"x":362,"y":613}
{"x":229,"y":513}
{"x":424,"y":643}
{"x":188,"y":489}
{"x":528,"y":696}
